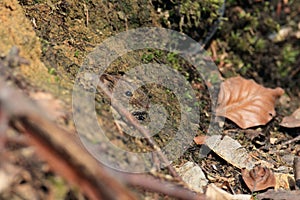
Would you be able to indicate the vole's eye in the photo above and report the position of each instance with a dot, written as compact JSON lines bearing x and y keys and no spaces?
{"x":128,"y":93}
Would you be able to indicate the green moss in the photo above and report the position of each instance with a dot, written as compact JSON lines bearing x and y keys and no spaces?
{"x":288,"y":57}
{"x":148,"y":57}
{"x":260,"y":44}
{"x":193,"y":17}
{"x":59,"y":187}
{"x":76,"y":54}
{"x":52,"y":71}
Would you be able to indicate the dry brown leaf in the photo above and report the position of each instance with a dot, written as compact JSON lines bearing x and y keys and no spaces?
{"x":200,"y":139}
{"x":292,"y":121}
{"x":193,"y":176}
{"x":279,"y":195}
{"x":215,"y":193}
{"x":284,"y":181}
{"x":258,"y":178}
{"x":247,"y":103}
{"x":231,"y":151}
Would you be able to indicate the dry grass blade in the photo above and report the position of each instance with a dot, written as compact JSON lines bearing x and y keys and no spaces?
{"x":247,"y":103}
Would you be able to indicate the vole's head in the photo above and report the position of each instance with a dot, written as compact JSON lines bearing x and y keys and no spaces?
{"x":128,"y":94}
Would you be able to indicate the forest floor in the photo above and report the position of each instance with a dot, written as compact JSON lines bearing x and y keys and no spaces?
{"x":257,"y":40}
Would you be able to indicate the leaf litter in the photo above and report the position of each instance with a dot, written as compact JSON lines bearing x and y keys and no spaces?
{"x":258,"y":178}
{"x":291,"y":121}
{"x":247,"y":103}
{"x":234,"y":143}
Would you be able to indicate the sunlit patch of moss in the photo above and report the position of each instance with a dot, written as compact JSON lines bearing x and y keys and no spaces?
{"x":173,"y":59}
{"x":188,"y":95}
{"x":271,"y":24}
{"x":45,"y":44}
{"x":214,"y":78}
{"x":76,"y":54}
{"x":148,"y":57}
{"x":190,"y":16}
{"x":244,"y":37}
{"x":260,"y":44}
{"x":289,"y":56}
{"x":237,"y":65}
{"x":239,"y":42}
{"x":59,"y":187}
{"x":254,"y":195}
{"x":38,"y":1}
{"x":244,"y":69}
{"x":52,"y":71}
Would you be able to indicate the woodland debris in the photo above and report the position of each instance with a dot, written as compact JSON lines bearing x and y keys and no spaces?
{"x":279,"y":195}
{"x":284,"y":181}
{"x":159,"y":185}
{"x":231,"y":151}
{"x":258,"y":178}
{"x":8,"y":172}
{"x":247,"y":103}
{"x":296,"y":139}
{"x":252,"y":134}
{"x":200,"y":139}
{"x":66,"y":158}
{"x":292,"y":121}
{"x":215,"y":193}
{"x":193,"y":175}
{"x":297,"y":171}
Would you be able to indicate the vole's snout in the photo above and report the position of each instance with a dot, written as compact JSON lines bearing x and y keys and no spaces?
{"x":140,"y":115}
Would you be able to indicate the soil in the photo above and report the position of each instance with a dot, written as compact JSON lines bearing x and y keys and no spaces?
{"x":57,"y":35}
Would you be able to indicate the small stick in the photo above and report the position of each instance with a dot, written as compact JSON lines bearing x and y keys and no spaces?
{"x":155,"y":185}
{"x":297,"y":171}
{"x":296,"y":139}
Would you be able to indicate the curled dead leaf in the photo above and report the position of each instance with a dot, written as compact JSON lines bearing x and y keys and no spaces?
{"x":292,"y":121}
{"x":258,"y":178}
{"x":215,"y":193}
{"x":247,"y":103}
{"x":200,"y":139}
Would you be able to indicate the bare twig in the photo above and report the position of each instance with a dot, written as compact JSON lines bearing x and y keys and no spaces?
{"x":297,"y":171}
{"x":160,"y":186}
{"x":296,"y":139}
